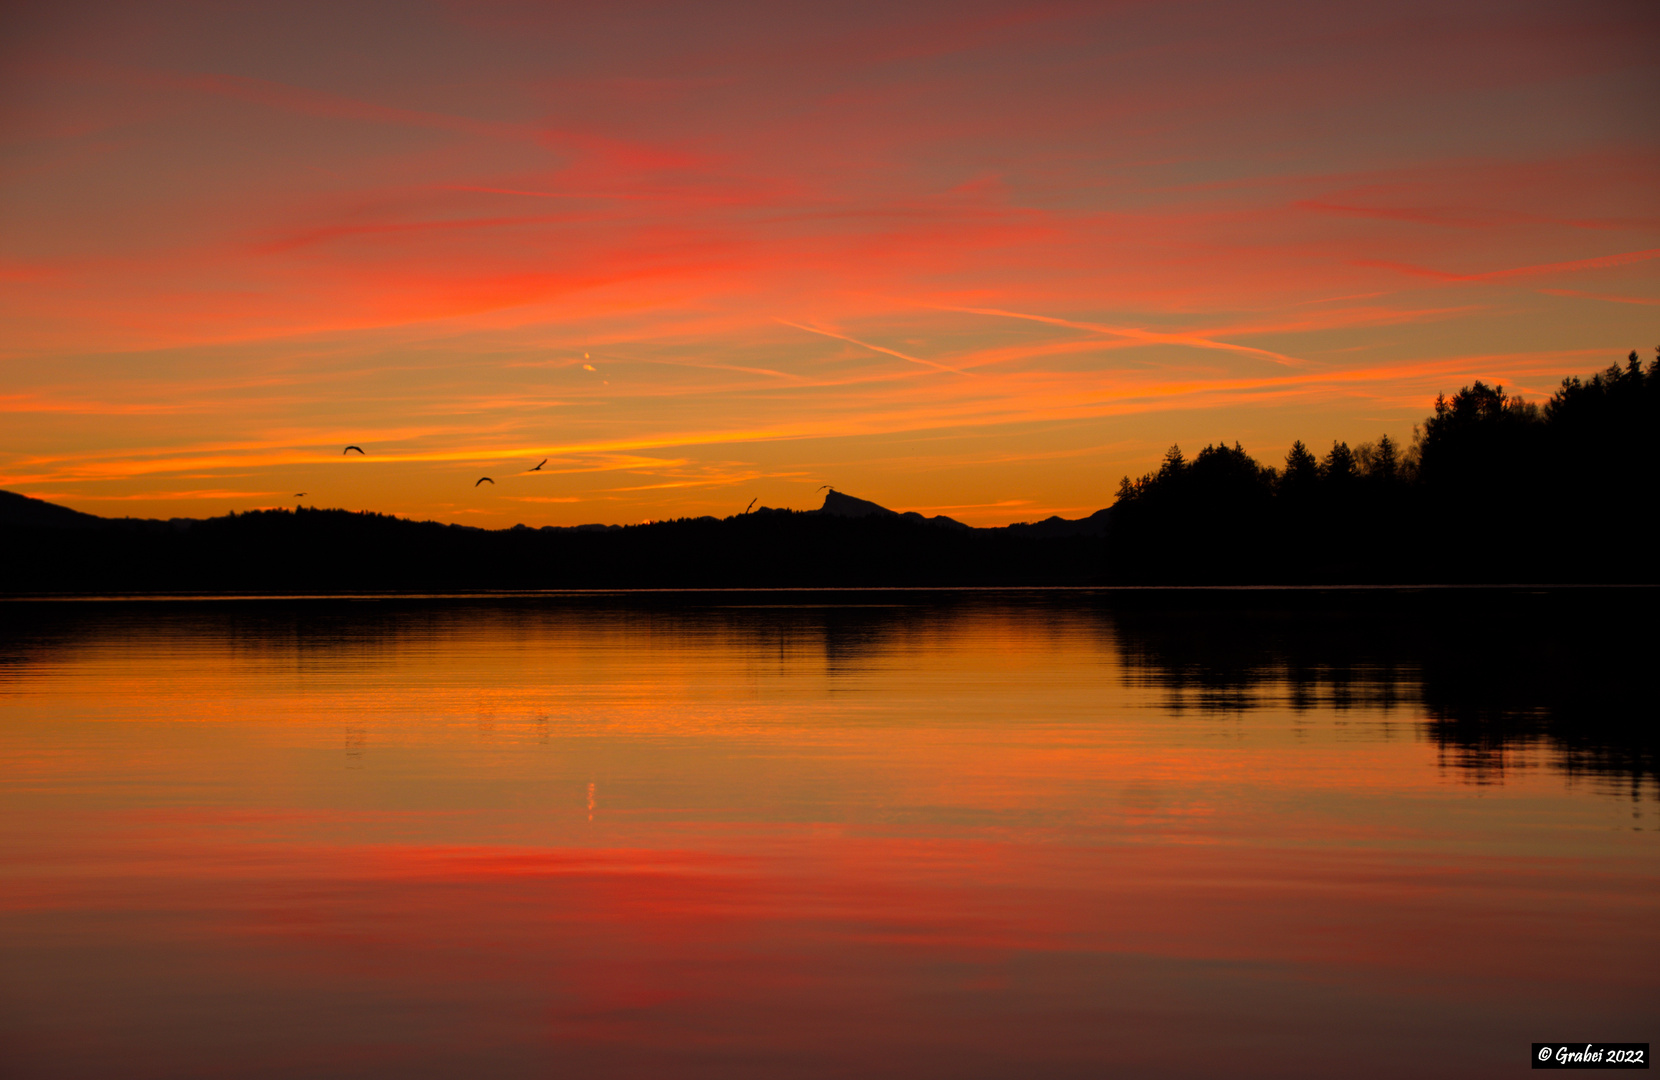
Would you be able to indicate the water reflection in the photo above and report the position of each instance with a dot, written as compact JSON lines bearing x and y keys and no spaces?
{"x":1497,"y":680}
{"x":922,"y":835}
{"x":1491,"y":677}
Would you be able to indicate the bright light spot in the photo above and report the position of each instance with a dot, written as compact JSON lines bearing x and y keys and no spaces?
{"x":587,"y":367}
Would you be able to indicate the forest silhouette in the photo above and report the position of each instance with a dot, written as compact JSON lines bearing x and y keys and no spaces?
{"x":1494,"y":488}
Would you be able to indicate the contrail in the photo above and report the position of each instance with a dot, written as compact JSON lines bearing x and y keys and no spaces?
{"x":1134,"y":333}
{"x":872,"y":348}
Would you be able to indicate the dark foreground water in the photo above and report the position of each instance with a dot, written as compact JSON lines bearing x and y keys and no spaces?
{"x":767,"y":836}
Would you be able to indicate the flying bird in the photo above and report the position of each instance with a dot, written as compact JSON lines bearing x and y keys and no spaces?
{"x":826,"y":487}
{"x":536,"y":469}
{"x":752,"y":503}
{"x":299,"y":494}
{"x":349,"y":449}
{"x":484,"y":480}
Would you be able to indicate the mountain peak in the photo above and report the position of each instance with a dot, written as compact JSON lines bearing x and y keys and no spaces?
{"x":839,"y":505}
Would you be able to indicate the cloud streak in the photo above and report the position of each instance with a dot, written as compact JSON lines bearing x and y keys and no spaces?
{"x":965,"y":256}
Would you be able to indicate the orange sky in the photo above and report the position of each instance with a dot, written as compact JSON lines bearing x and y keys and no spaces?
{"x":969,"y":259}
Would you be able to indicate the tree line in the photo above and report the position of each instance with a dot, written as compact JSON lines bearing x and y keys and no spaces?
{"x":1493,"y":488}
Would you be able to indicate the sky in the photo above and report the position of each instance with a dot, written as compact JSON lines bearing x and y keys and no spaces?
{"x":968,"y":258}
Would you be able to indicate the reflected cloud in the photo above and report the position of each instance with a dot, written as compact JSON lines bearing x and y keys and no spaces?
{"x":1501,"y":683}
{"x":557,"y":828}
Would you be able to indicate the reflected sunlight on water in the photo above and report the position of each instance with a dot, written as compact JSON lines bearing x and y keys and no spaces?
{"x":727,"y":837}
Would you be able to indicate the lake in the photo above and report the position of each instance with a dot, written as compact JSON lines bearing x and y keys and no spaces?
{"x":826,"y":834}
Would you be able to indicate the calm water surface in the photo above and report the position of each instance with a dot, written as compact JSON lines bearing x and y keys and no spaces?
{"x":987,"y":836}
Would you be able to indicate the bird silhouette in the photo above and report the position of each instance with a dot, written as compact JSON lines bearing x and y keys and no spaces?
{"x":299,"y":494}
{"x":539,"y":467}
{"x":349,"y":449}
{"x":482,"y":480}
{"x":752,"y":503}
{"x":826,"y":487}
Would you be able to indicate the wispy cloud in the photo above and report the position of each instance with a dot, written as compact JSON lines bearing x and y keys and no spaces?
{"x":1644,"y":301}
{"x":168,"y":496}
{"x":1139,"y":334}
{"x":1036,"y":238}
{"x":873,"y":348}
{"x":1599,"y":262}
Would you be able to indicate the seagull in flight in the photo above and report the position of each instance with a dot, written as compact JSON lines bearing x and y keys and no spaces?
{"x":826,"y":487}
{"x":349,"y":449}
{"x":752,"y":503}
{"x":536,"y":469}
{"x":484,"y":480}
{"x":299,"y":494}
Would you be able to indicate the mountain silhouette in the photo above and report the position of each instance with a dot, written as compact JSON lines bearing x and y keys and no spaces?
{"x":1096,"y":524}
{"x":848,"y":542}
{"x":1494,"y":490}
{"x":839,"y":504}
{"x":18,"y":509}
{"x":30,"y":513}
{"x":843,"y":505}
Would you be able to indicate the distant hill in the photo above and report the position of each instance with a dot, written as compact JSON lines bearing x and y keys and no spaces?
{"x":842,"y":505}
{"x":21,"y":510}
{"x":847,"y":506}
{"x":1051,"y":528}
{"x":18,"y":509}
{"x":849,"y":542}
